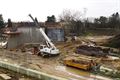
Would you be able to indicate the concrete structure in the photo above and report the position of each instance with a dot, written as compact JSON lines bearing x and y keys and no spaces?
{"x":55,"y":31}
{"x":25,"y":33}
{"x":55,"y":34}
{"x":29,"y":72}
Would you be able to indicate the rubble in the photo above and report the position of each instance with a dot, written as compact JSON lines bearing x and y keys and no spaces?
{"x":92,"y":51}
{"x":5,"y":76}
{"x":114,"y":41}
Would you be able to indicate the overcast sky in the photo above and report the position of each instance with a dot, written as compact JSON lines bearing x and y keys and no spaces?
{"x":18,"y":10}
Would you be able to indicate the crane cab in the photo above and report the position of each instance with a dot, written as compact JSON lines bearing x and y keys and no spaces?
{"x":47,"y":51}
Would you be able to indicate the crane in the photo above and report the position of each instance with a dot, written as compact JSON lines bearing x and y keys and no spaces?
{"x":49,"y":48}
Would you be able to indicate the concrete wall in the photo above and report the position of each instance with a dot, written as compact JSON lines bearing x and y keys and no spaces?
{"x":28,"y":35}
{"x":29,"y":72}
{"x":55,"y":34}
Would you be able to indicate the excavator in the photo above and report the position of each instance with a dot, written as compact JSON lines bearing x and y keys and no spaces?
{"x":49,"y":48}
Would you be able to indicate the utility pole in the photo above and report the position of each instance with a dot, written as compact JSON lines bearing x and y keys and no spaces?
{"x":84,"y":18}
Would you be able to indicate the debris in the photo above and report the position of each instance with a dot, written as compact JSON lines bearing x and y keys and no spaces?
{"x":5,"y":60}
{"x":92,"y":51}
{"x":3,"y":44}
{"x":23,"y":50}
{"x":73,"y":38}
{"x":5,"y":76}
{"x":107,"y":69}
{"x":39,"y":66}
{"x":113,"y":57}
{"x":114,"y":41}
{"x":36,"y":50}
{"x":29,"y":52}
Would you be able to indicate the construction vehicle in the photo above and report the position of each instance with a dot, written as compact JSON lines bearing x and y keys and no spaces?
{"x":49,"y":48}
{"x":80,"y":63}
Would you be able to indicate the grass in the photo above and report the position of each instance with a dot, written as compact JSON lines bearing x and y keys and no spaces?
{"x":108,"y":74}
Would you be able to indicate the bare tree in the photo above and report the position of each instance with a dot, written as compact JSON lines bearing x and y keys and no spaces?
{"x":72,"y":20}
{"x":70,"y":15}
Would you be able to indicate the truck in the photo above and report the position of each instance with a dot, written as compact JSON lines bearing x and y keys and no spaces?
{"x":49,"y":48}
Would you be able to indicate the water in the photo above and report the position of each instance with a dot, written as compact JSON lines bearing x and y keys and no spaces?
{"x":80,"y":74}
{"x":74,"y":72}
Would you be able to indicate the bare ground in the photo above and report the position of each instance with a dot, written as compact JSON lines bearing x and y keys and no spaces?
{"x":51,"y":65}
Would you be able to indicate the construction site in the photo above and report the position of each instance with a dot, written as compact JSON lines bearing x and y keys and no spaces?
{"x":44,"y":51}
{"x":78,"y":58}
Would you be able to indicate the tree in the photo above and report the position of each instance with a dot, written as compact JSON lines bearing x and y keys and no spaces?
{"x":51,"y":19}
{"x":9,"y":23}
{"x":114,"y":20}
{"x":72,"y":20}
{"x":1,"y":22}
{"x":103,"y":20}
{"x":96,"y":23}
{"x":69,"y":15}
{"x":100,"y":22}
{"x":108,"y":22}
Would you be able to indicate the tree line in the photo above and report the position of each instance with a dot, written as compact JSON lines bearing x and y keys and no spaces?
{"x":108,"y":22}
{"x":76,"y":25}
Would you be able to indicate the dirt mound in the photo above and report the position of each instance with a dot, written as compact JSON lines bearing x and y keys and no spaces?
{"x":114,"y":42}
{"x":92,"y":51}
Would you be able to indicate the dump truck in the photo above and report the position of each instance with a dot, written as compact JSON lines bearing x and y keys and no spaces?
{"x":79,"y":63}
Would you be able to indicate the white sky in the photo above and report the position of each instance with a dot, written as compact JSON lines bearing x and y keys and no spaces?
{"x":18,"y":10}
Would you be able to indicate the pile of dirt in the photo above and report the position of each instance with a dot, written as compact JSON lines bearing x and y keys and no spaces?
{"x":92,"y":51}
{"x":114,"y":42}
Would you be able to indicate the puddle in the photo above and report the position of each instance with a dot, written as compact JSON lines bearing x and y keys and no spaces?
{"x":74,"y":72}
{"x":61,"y":68}
{"x":83,"y":75}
